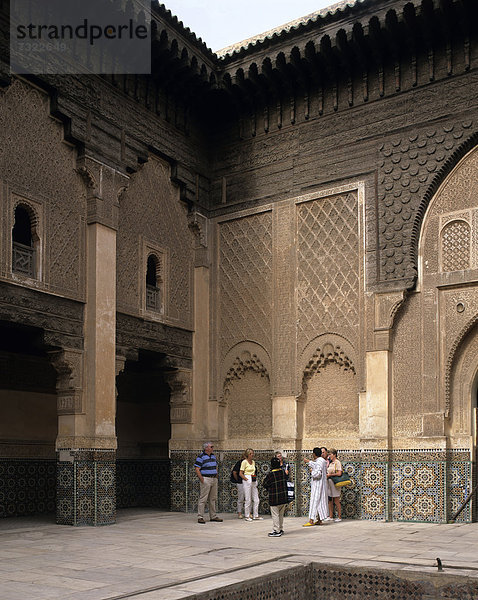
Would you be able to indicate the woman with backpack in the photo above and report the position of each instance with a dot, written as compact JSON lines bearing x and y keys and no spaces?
{"x":237,"y":480}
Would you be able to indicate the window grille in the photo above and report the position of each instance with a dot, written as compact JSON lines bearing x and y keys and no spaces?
{"x":23,"y":260}
{"x":153,"y":298}
{"x":456,"y":246}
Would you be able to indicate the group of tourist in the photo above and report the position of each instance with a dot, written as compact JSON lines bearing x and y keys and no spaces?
{"x":323,"y":495}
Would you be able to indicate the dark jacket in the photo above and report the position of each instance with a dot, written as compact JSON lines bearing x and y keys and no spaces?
{"x":236,"y":468}
{"x":276,"y":484}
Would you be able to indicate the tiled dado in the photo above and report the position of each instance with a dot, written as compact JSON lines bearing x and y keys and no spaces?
{"x":27,"y":487}
{"x":399,"y":485}
{"x":86,"y":487}
{"x":143,"y":483}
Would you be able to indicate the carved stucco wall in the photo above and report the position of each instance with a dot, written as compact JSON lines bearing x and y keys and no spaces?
{"x":463,"y":385}
{"x":249,"y":410}
{"x":151,"y":213}
{"x":328,"y":303}
{"x":40,"y":169}
{"x":429,"y":374}
{"x":455,"y":202}
{"x":323,"y":272}
{"x":328,"y":268}
{"x":407,"y":372}
{"x":245,"y":281}
{"x":332,"y":408}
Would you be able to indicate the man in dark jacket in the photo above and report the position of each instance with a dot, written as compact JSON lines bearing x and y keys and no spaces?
{"x":276,"y":484}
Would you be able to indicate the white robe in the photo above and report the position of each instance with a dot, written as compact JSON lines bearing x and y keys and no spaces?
{"x":319,"y":500}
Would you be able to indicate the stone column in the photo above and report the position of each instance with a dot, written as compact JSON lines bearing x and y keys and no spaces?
{"x":285,"y":413}
{"x":86,"y":442}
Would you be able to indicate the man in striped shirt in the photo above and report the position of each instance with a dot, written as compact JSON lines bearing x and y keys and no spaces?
{"x":206,"y":470}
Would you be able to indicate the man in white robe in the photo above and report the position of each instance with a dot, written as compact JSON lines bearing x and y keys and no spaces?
{"x":319,"y":501}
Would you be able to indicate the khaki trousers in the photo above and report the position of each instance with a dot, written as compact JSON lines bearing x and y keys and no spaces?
{"x":277,"y":513}
{"x":207,"y":493}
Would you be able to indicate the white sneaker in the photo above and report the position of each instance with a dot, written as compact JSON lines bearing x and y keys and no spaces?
{"x":337,"y":520}
{"x":248,"y":519}
{"x":327,"y":519}
{"x":258,"y":518}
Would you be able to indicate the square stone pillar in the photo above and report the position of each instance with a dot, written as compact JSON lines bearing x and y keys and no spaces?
{"x":375,"y":404}
{"x":285,"y":416}
{"x":86,"y":442}
{"x":86,"y":487}
{"x":284,"y":421}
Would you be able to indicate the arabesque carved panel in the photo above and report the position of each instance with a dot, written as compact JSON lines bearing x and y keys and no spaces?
{"x":328,"y":268}
{"x":245,"y":280}
{"x":49,"y":176}
{"x":151,"y":208}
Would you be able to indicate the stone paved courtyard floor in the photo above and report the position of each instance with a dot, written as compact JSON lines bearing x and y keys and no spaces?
{"x":150,"y":555}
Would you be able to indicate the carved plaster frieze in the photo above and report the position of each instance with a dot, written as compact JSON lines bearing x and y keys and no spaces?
{"x":244,"y":356}
{"x":327,"y":353}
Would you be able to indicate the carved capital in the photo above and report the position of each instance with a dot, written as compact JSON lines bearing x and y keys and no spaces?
{"x":180,"y":384}
{"x":198,"y":225}
{"x":385,"y":310}
{"x":105,"y":186}
{"x":119,"y":364}
{"x":69,"y":367}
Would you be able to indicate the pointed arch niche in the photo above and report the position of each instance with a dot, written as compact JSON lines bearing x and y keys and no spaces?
{"x":329,"y":395}
{"x":461,"y":383}
{"x":437,"y":386}
{"x":246,"y":396}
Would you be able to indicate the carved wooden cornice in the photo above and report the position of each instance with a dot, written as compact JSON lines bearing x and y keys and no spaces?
{"x":360,"y":38}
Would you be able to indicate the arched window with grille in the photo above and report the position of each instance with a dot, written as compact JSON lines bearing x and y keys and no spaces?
{"x":455,"y":246}
{"x":24,"y":242}
{"x":153,"y":284}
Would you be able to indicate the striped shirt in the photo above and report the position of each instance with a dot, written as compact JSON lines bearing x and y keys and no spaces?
{"x":206,"y":464}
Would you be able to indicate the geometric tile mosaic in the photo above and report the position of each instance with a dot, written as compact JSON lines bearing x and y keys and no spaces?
{"x":403,"y":485}
{"x":27,"y":487}
{"x":418,"y":492}
{"x":86,"y":488}
{"x":373,"y":478}
{"x":334,"y":582}
{"x":459,"y":483}
{"x":143,"y":483}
